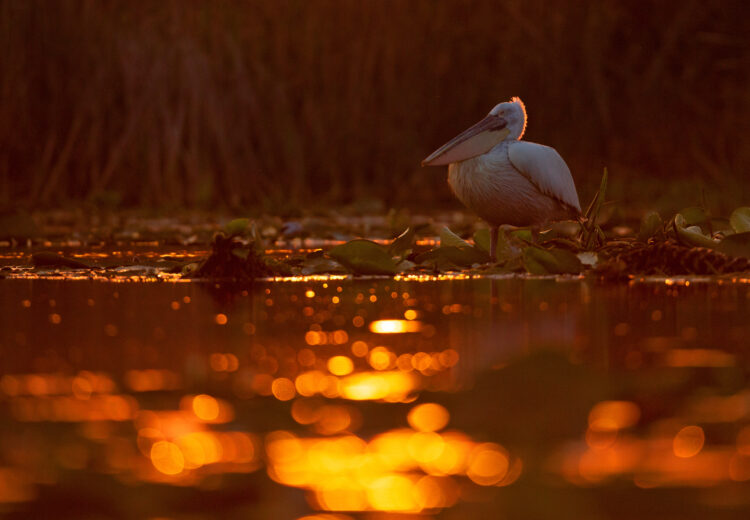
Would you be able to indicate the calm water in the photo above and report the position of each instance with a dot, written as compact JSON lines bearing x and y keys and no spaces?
{"x":455,"y":398}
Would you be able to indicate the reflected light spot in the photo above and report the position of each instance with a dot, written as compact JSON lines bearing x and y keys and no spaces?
{"x":305,"y":411}
{"x":283,"y":389}
{"x":428,"y":417}
{"x":358,"y":321}
{"x":410,"y":314}
{"x":360,"y":348}
{"x":167,"y":458}
{"x":393,"y":493}
{"x":340,"y":365}
{"x":81,"y":388}
{"x":425,"y":447}
{"x":381,"y":358}
{"x":220,"y":319}
{"x":395,"y":326}
{"x":333,"y":419}
{"x":55,"y":319}
{"x":613,"y":415}
{"x":488,"y":464}
{"x":205,"y":407}
{"x":310,"y":293}
{"x":689,"y":441}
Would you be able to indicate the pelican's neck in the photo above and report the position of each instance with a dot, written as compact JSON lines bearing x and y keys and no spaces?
{"x":517,"y":129}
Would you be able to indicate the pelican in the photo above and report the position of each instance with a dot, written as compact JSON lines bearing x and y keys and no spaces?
{"x":505,"y":180}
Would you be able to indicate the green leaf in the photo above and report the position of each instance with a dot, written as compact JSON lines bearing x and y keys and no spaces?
{"x":403,"y":243}
{"x":651,"y":224}
{"x":694,"y":216}
{"x":448,"y":238}
{"x":553,"y":261}
{"x":364,"y":257}
{"x":535,"y":260}
{"x":319,"y":264}
{"x":523,"y":234}
{"x":237,"y":226}
{"x":482,"y":239}
{"x":736,"y":245}
{"x":567,"y":261}
{"x":691,"y":235}
{"x":740,"y":219}
{"x":446,"y":257}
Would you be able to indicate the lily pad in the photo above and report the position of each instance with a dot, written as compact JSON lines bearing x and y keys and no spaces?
{"x":740,"y":219}
{"x":237,"y":226}
{"x":449,"y":239}
{"x":364,"y":257}
{"x":736,"y":245}
{"x":694,"y":216}
{"x":482,"y":239}
{"x":691,"y":234}
{"x":402,"y":244}
{"x":554,"y":261}
{"x":447,"y":257}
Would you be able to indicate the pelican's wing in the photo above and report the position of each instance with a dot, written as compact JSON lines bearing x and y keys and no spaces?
{"x":544,"y":167}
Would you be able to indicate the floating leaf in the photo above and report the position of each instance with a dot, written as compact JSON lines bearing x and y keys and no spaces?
{"x":536,"y":260}
{"x":237,"y":226}
{"x":740,"y":220}
{"x":448,"y":238}
{"x":364,"y":257}
{"x":482,"y":239}
{"x":403,"y":243}
{"x":553,"y":261}
{"x":405,"y":265}
{"x":523,"y":234}
{"x":692,"y":235}
{"x":736,"y":245}
{"x":694,"y":216}
{"x":651,"y":224}
{"x":446,"y":257}
{"x":320,"y":264}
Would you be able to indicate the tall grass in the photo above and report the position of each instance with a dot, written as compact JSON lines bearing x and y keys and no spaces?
{"x":275,"y":102}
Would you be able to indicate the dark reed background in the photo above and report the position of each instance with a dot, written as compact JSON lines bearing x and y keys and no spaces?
{"x":277,"y":103}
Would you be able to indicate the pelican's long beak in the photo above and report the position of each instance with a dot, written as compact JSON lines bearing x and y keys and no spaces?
{"x":478,"y":139}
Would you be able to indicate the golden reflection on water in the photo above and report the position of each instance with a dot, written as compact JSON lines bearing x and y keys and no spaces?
{"x":360,"y":394}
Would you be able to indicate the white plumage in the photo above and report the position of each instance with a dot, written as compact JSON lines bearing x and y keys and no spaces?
{"x":506,"y":180}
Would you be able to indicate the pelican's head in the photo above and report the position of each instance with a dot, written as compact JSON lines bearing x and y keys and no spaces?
{"x":505,"y":121}
{"x":514,"y":114}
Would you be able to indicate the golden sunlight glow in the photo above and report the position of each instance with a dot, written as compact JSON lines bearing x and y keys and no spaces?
{"x":488,"y":464}
{"x":393,"y":493}
{"x":392,"y":386}
{"x":167,"y":458}
{"x":428,"y":417}
{"x":381,"y":358}
{"x":689,"y":441}
{"x":395,"y":326}
{"x":613,"y":415}
{"x":205,"y":407}
{"x":340,"y":365}
{"x":283,"y":389}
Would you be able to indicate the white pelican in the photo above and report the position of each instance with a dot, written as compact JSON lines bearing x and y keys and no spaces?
{"x":506,"y":180}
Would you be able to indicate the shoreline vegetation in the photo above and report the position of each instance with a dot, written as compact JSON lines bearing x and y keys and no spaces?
{"x":279,"y":104}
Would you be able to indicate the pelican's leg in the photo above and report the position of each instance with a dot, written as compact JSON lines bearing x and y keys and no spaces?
{"x":493,"y":243}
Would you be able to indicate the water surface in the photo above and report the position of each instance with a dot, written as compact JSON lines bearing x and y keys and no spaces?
{"x":375,"y":398}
